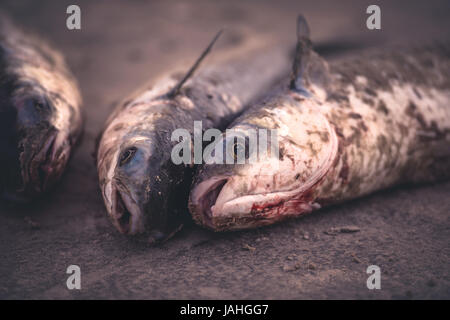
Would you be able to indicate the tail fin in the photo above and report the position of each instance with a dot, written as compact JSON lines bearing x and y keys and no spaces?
{"x":302,"y":54}
{"x":172,"y":93}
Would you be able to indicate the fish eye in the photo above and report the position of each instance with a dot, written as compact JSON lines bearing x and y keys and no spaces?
{"x":39,"y":105}
{"x":33,"y":111}
{"x":238,"y":148}
{"x":127,"y":155}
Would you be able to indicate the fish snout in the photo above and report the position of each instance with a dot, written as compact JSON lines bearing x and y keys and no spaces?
{"x":47,"y":165}
{"x":58,"y":156}
{"x":144,"y":204}
{"x":125,"y":214}
{"x":130,"y":219}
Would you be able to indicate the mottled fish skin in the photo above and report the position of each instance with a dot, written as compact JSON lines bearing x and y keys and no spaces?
{"x":40,"y":115}
{"x":356,"y":126}
{"x":144,"y":192}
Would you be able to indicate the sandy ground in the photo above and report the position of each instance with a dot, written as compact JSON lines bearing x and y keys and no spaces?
{"x":122,"y":44}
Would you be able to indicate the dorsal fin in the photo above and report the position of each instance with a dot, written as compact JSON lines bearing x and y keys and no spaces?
{"x":302,"y":54}
{"x":172,"y":93}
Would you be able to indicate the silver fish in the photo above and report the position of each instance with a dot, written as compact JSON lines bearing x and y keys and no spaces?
{"x":344,"y":130}
{"x":40,"y":114}
{"x":143,"y":190}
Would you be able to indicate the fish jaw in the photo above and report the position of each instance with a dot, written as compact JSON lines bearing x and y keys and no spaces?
{"x":125,"y":214}
{"x":203,"y":198}
{"x":130,"y":217}
{"x":211,"y":208}
{"x":41,"y":169}
{"x":58,"y":151}
{"x":38,"y":171}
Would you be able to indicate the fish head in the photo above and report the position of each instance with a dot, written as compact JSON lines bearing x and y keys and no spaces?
{"x":40,"y":114}
{"x":275,"y":186}
{"x":141,"y":186}
{"x":37,"y":145}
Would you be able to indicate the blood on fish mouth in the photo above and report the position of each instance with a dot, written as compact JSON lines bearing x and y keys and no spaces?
{"x":218,"y":208}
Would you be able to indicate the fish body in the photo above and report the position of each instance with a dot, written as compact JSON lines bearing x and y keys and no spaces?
{"x":344,"y":130}
{"x":143,"y":190}
{"x":40,"y":114}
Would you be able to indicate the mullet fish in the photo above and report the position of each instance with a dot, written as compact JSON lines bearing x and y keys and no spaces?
{"x":40,"y":116}
{"x":344,"y":130}
{"x":143,"y":190}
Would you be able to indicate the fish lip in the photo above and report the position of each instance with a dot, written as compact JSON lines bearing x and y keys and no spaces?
{"x":248,"y":202}
{"x":42,"y":168}
{"x":244,"y":211}
{"x":126,"y":214}
{"x":204,"y":196}
{"x":204,"y":204}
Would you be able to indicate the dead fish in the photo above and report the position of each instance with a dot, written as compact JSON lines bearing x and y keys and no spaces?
{"x":40,"y":114}
{"x":143,"y":190}
{"x":344,"y":130}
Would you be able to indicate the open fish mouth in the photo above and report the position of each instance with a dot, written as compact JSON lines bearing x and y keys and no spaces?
{"x":204,"y":198}
{"x":213,"y":203}
{"x":47,"y":165}
{"x":129,"y":218}
{"x":126,"y":215}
